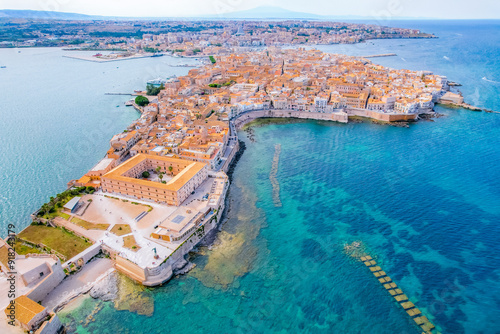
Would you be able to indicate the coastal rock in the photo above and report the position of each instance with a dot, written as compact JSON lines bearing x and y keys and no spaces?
{"x":133,"y":297}
{"x":182,"y":267}
{"x":106,"y":289}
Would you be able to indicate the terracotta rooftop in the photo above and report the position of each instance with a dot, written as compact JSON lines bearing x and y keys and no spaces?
{"x":174,"y":184}
{"x":26,"y":309}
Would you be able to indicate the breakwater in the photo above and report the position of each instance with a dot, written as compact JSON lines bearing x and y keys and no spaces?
{"x":106,"y":60}
{"x":381,"y":55}
{"x":273,"y":178}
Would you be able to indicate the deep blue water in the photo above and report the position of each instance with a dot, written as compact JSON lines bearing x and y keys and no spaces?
{"x":424,"y":200}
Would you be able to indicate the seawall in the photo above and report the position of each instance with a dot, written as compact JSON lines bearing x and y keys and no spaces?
{"x":247,"y":117}
{"x":339,"y":115}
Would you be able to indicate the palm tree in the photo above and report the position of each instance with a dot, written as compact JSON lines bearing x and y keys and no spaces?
{"x":160,"y":176}
{"x":170,"y":169}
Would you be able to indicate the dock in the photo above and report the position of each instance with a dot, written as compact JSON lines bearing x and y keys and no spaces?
{"x":357,"y":251}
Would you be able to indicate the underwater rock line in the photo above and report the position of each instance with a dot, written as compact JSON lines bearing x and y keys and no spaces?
{"x":357,"y":251}
{"x":272,"y":176}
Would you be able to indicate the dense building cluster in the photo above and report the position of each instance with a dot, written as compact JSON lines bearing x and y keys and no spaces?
{"x":190,"y":119}
{"x":191,"y":37}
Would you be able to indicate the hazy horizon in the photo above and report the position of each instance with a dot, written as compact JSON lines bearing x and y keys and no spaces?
{"x":375,"y":9}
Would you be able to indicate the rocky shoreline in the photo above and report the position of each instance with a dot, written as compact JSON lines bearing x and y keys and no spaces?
{"x":467,"y":106}
{"x":96,"y":288}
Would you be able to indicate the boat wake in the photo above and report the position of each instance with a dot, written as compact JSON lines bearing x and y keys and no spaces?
{"x":492,"y":81}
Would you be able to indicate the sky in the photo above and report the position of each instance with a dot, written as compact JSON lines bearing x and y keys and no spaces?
{"x":446,"y":9}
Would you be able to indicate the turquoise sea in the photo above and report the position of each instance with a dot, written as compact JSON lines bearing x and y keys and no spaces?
{"x":424,"y":201}
{"x":56,"y":121}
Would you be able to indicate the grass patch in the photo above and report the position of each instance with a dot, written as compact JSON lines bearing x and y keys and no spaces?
{"x":112,"y":197}
{"x":23,"y":249}
{"x":58,"y":239}
{"x":150,"y":208}
{"x":121,"y":229}
{"x":87,"y":225}
{"x":129,"y":242}
{"x":57,"y":213}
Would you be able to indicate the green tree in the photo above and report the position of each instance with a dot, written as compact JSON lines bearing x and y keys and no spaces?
{"x":141,"y":101}
{"x":145,"y":174}
{"x":170,"y":169}
{"x":153,"y":91}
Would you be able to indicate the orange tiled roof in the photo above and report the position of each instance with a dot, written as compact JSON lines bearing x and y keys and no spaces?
{"x":26,"y":309}
{"x":173,"y":185}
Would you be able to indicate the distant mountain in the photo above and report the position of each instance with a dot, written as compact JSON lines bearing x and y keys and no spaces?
{"x":258,"y":13}
{"x":267,"y":13}
{"x":38,"y":14}
{"x":255,"y":13}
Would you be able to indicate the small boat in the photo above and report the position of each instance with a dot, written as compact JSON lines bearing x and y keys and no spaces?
{"x":129,"y":103}
{"x":3,"y":66}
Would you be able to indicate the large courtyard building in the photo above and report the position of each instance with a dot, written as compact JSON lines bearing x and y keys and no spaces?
{"x":126,"y":179}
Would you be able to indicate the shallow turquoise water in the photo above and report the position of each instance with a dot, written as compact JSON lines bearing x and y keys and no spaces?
{"x":424,"y":200}
{"x":405,"y":193}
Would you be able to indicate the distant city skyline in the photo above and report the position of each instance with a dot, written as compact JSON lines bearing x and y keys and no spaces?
{"x":444,"y":9}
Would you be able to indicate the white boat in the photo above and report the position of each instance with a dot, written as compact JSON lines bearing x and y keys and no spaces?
{"x":156,"y":82}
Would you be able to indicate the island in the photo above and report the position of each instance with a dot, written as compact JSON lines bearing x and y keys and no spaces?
{"x":161,"y":187}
